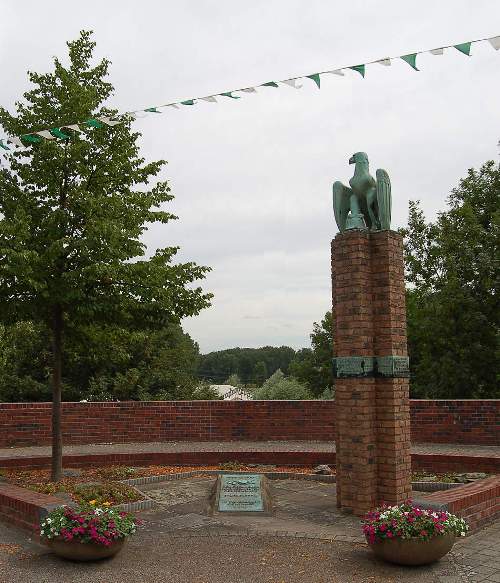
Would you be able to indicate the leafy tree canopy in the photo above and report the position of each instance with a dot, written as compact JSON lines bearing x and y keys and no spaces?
{"x":453,"y":308}
{"x":280,"y":387}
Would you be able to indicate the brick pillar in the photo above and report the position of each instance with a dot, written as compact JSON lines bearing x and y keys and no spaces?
{"x":392,"y":393}
{"x":372,"y":411}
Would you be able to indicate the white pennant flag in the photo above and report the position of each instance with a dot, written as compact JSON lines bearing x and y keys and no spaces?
{"x":385,"y":62}
{"x":16,"y":141}
{"x":437,"y":51}
{"x":336,"y":72}
{"x":75,"y":127}
{"x":172,"y":105}
{"x":46,"y":134}
{"x":108,"y":121}
{"x":209,"y":98}
{"x":249,"y":90}
{"x":495,"y":42}
{"x":292,"y":83}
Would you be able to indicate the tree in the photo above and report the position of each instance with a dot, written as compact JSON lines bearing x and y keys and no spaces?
{"x":280,"y":387}
{"x":73,"y":213}
{"x":233,"y":380}
{"x":313,"y":366}
{"x":259,"y":374}
{"x":453,"y":309}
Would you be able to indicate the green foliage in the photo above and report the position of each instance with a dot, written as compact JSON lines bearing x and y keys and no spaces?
{"x":72,"y":259}
{"x":233,"y":380}
{"x":280,"y":387}
{"x":313,"y":366}
{"x":218,"y":366}
{"x":452,"y":302}
{"x":101,"y":363}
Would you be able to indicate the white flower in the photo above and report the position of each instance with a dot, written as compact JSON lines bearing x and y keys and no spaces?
{"x":98,"y":511}
{"x":49,"y":520}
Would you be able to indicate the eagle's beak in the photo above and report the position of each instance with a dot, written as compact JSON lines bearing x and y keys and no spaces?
{"x":351,"y":160}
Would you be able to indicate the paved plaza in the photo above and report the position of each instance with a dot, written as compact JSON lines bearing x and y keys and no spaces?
{"x":306,"y":539}
{"x":201,"y":446}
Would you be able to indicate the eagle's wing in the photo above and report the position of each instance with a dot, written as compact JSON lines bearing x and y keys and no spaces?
{"x":341,"y":196}
{"x":384,"y":199}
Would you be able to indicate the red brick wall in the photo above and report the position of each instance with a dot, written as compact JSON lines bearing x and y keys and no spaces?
{"x":467,"y":422}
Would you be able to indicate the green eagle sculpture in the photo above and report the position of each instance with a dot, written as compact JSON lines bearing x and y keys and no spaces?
{"x":367,"y":203}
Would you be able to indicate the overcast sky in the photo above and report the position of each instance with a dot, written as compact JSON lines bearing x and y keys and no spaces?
{"x":252,"y":177}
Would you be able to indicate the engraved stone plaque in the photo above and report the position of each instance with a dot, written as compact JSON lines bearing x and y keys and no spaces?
{"x":242,"y":493}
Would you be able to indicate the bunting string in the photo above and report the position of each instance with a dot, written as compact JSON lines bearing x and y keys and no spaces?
{"x":64,"y":132}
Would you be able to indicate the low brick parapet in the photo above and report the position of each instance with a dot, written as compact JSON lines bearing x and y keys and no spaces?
{"x":24,"y":508}
{"x":477,"y":502}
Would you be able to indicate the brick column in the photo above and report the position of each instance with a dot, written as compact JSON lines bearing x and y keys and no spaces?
{"x":372,"y":411}
{"x":392,"y":393}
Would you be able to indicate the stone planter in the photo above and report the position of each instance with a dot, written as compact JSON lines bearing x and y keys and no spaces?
{"x":413,"y":551}
{"x":77,"y":551}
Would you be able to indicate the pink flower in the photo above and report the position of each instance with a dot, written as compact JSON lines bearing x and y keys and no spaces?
{"x":389,"y":534}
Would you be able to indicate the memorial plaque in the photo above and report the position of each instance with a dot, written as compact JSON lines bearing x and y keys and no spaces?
{"x":241,"y":493}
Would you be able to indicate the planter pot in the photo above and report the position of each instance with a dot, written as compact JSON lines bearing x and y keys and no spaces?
{"x":413,"y":551}
{"x":77,"y":551}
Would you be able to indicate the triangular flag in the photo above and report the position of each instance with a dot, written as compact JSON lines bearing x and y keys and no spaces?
{"x":59,"y":134}
{"x":269,"y":84}
{"x":385,"y":62}
{"x":94,"y":123}
{"x":292,"y":83}
{"x":188,"y":102}
{"x":495,"y":42}
{"x":228,"y":94}
{"x":315,"y":78}
{"x":411,"y":60}
{"x":209,"y":98}
{"x":336,"y":72}
{"x":249,"y":90}
{"x":110,"y":122}
{"x":31,"y":138}
{"x":16,"y":141}
{"x":437,"y":51}
{"x":150,"y":109}
{"x":174,"y":105}
{"x":46,"y":134}
{"x":4,"y":146}
{"x":464,"y":48}
{"x":359,"y":68}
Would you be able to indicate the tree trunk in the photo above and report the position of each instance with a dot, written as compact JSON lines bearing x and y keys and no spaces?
{"x":57,"y":331}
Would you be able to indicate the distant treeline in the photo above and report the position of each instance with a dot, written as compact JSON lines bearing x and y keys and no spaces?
{"x":252,"y":365}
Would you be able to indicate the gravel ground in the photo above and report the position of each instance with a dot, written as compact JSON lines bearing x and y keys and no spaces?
{"x":215,"y":559}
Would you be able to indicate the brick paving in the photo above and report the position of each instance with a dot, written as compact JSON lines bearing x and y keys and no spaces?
{"x":194,"y":446}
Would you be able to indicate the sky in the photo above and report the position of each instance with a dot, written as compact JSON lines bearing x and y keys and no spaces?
{"x":252,"y":177}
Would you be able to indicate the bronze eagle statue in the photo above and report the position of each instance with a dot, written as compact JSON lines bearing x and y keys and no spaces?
{"x":367,"y":203}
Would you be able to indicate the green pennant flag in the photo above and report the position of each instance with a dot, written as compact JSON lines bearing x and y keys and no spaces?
{"x":188,"y":102}
{"x":359,"y":68}
{"x":464,"y":48}
{"x":31,"y":138}
{"x":411,"y":60}
{"x":315,"y":78}
{"x":228,"y":94}
{"x":59,"y":134}
{"x":4,"y":146}
{"x":152,"y":110}
{"x":270,"y":84}
{"x":94,"y":123}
